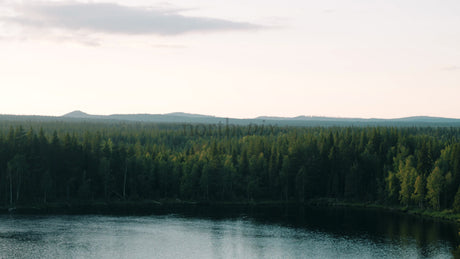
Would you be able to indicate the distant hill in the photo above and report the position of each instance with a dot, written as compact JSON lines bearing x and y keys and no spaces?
{"x":183,"y":114}
{"x":76,"y":114}
{"x":300,"y":121}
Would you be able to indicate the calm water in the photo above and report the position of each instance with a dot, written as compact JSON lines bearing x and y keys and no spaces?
{"x":243,"y":233}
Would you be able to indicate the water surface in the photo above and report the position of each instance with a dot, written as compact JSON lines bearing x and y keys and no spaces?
{"x":229,"y":233}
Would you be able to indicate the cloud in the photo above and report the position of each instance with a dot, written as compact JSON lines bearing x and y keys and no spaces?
{"x":116,"y":19}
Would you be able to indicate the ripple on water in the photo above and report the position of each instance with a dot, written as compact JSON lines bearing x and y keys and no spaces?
{"x":175,"y":236}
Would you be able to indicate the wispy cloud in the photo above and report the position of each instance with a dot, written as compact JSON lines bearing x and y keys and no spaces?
{"x":116,"y":19}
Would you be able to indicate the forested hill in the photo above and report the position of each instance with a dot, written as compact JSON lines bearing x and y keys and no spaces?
{"x":302,"y":121}
{"x":84,"y":162}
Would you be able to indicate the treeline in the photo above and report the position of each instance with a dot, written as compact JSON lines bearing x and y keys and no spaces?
{"x":55,"y":162}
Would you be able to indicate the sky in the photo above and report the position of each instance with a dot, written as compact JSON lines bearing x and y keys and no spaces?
{"x":239,"y":58}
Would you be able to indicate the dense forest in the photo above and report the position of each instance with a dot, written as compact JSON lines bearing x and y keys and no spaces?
{"x":42,"y":162}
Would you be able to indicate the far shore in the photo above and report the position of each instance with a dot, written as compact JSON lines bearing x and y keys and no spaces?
{"x":176,"y":205}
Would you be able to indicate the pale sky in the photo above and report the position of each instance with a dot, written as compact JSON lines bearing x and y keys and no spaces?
{"x":239,"y":58}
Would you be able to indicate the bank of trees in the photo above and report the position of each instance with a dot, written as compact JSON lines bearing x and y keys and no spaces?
{"x":88,"y":162}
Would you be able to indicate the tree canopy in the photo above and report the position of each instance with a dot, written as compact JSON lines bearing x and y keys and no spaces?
{"x":82,"y":161}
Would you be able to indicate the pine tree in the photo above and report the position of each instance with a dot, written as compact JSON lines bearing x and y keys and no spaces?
{"x":456,"y":205}
{"x":434,"y":185}
{"x":407,"y":176}
{"x":419,"y":191}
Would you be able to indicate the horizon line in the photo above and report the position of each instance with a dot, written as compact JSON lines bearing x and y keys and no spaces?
{"x":262,"y":117}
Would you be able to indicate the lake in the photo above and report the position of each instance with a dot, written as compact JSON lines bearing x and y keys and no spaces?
{"x":203,"y":232}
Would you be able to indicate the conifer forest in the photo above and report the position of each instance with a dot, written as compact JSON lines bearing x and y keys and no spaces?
{"x":42,"y":162}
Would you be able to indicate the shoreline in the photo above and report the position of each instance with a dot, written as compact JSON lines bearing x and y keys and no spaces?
{"x":163,"y":206}
{"x":444,"y":215}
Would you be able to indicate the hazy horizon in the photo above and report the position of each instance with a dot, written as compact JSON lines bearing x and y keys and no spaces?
{"x":239,"y":59}
{"x":223,"y":116}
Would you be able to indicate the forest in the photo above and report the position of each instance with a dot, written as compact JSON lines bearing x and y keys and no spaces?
{"x":43,"y":162}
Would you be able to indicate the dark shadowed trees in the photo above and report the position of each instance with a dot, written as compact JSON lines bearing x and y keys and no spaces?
{"x":133,"y":161}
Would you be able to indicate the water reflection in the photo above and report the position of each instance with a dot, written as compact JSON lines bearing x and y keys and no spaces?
{"x":290,"y":232}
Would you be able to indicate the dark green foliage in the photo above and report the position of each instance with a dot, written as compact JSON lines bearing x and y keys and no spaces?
{"x":82,"y":161}
{"x":456,"y":205}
